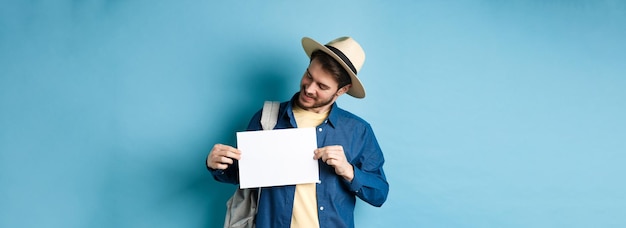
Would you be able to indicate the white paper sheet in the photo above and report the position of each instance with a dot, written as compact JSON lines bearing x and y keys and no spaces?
{"x":277,"y":157}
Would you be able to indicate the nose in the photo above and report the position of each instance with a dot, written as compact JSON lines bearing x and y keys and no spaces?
{"x":309,"y":89}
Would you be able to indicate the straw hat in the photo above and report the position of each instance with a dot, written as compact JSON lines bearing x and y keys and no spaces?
{"x":348,"y":53}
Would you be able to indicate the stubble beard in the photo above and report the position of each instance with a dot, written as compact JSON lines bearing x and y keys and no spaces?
{"x":316,"y":103}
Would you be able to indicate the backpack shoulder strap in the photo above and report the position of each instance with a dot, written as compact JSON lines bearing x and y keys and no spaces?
{"x":269,"y":116}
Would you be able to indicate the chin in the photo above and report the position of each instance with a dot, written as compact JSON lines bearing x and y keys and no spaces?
{"x":304,"y":105}
{"x":302,"y":101}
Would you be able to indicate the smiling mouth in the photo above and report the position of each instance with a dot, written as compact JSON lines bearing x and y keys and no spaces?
{"x":305,"y":97}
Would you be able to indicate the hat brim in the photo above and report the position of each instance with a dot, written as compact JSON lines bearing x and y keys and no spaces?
{"x":310,"y":45}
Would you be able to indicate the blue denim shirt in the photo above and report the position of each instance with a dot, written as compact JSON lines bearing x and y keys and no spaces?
{"x":336,"y":197}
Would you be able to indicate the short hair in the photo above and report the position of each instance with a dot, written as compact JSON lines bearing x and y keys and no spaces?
{"x":330,"y":65}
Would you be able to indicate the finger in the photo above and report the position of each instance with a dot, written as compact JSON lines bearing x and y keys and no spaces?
{"x":234,"y":150}
{"x":233,"y":154}
{"x":333,"y":162}
{"x":219,"y":157}
{"x":216,"y":164}
{"x":332,"y":152}
{"x":225,"y":148}
{"x":221,"y":162}
{"x":225,"y":160}
{"x":326,"y":158}
{"x":330,"y":155}
{"x":318,"y":153}
{"x":220,"y":166}
{"x":336,"y":159}
{"x":218,"y":147}
{"x":339,"y":154}
{"x":324,"y":155}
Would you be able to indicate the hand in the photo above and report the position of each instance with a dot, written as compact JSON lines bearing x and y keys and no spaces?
{"x":222,"y":156}
{"x":336,"y":157}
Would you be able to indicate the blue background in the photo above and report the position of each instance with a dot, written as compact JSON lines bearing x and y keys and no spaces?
{"x":490,"y":113}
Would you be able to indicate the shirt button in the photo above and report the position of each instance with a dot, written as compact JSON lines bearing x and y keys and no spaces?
{"x":319,"y":129}
{"x":321,"y":208}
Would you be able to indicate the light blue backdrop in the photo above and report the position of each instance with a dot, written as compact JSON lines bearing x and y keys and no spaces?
{"x":490,"y":113}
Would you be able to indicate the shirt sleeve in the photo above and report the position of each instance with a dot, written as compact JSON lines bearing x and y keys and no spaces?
{"x":255,"y":122}
{"x":369,"y":182}
{"x":231,"y":174}
{"x":228,"y":175}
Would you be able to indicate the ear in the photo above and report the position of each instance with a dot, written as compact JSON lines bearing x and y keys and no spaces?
{"x":343,"y":90}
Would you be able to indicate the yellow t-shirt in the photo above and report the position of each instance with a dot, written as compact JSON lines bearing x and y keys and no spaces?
{"x":305,"y":199}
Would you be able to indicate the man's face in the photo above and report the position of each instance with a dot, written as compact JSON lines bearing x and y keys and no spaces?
{"x":318,"y":89}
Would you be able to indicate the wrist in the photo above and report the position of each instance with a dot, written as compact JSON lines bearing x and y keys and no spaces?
{"x":349,"y":174}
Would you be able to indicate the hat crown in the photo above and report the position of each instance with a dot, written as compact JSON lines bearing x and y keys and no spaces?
{"x":351,"y":49}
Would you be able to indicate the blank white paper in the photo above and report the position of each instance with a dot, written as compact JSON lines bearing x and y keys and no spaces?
{"x":277,"y":157}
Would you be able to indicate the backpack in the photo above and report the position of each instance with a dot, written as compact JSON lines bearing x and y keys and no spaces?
{"x":242,"y":207}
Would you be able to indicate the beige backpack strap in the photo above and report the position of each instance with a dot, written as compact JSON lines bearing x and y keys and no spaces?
{"x":269,"y":117}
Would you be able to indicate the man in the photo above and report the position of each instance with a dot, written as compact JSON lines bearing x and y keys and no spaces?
{"x":350,"y":159}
